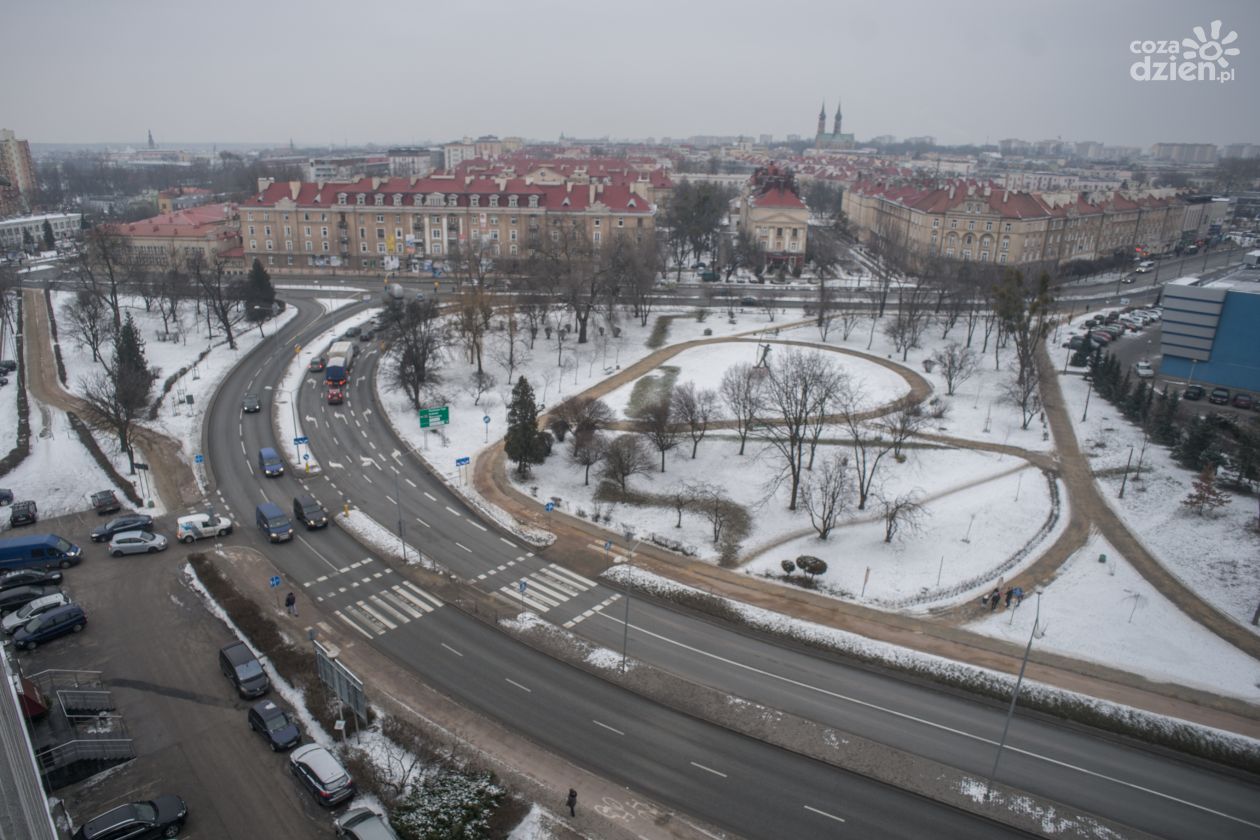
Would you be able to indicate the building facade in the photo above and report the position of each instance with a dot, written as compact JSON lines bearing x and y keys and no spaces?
{"x":836,"y":139}
{"x":1208,"y":334}
{"x":391,"y":224}
{"x":772,"y":212}
{"x":18,"y":170}
{"x":213,"y":230}
{"x":13,"y":232}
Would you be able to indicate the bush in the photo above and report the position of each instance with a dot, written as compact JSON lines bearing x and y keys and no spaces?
{"x":23,"y":446}
{"x":448,"y":804}
{"x":170,"y":383}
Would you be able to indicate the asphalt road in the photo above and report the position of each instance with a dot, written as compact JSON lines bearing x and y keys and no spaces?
{"x":1149,"y":790}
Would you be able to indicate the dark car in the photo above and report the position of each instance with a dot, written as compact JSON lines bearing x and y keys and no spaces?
{"x":1219,"y":396}
{"x":23,"y":513}
{"x":1193,"y":392}
{"x":747,"y":301}
{"x":250,"y":404}
{"x":366,"y":335}
{"x":352,"y":332}
{"x":29,"y":577}
{"x":238,"y":664}
{"x":8,"y":365}
{"x":20,"y":596}
{"x":321,"y":774}
{"x":336,"y":396}
{"x":364,"y":824}
{"x":1243,"y":401}
{"x":308,"y":511}
{"x":105,"y":503}
{"x":50,"y":625}
{"x":317,"y":364}
{"x":129,"y":522}
{"x":6,"y":496}
{"x":276,"y":725}
{"x":160,"y":817}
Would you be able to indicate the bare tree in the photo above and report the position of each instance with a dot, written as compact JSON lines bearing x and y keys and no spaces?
{"x":825,"y":494}
{"x":869,"y":448}
{"x":957,"y":364}
{"x":849,"y":317}
{"x":509,"y":349}
{"x":694,"y":408}
{"x":741,"y":391}
{"x":627,"y":456}
{"x":569,"y":260}
{"x":715,"y":507}
{"x":1025,"y":318}
{"x":587,"y":450}
{"x":89,"y":322}
{"x":222,"y":294}
{"x":1025,"y":394}
{"x":659,"y":427}
{"x":102,"y":267}
{"x":482,"y":382}
{"x":795,"y":389}
{"x":907,"y":326}
{"x":417,"y":350}
{"x":584,"y":415}
{"x":682,"y":497}
{"x":901,"y":514}
{"x":901,"y":424}
{"x":473,"y":311}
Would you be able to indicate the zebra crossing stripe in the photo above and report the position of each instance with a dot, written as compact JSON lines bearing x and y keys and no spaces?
{"x":549,"y":577}
{"x":389,"y":625}
{"x":578,"y":580}
{"x":352,"y":623}
{"x":546,"y":590}
{"x":414,"y":601}
{"x":437,"y":602}
{"x":392,"y":599}
{"x":385,"y":605}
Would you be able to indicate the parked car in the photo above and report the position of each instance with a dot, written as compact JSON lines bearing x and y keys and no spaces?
{"x":8,"y":365}
{"x":276,"y":725}
{"x":1219,"y":396}
{"x":106,"y":502}
{"x":1103,"y":338}
{"x":269,"y":462}
{"x":308,"y":511}
{"x":29,"y":577}
{"x":136,"y":542}
{"x":6,"y":496}
{"x":199,"y":526}
{"x":364,"y":824}
{"x":68,"y":618}
{"x":1193,"y":392}
{"x":163,"y":816}
{"x":321,"y":774}
{"x":1145,"y":266}
{"x":352,"y":332}
{"x":272,"y":522}
{"x":250,"y":404}
{"x":242,"y":668}
{"x":1143,"y":370}
{"x":336,"y":396}
{"x":18,"y":619}
{"x":748,"y":300}
{"x":129,"y":522}
{"x":366,"y":335}
{"x":23,"y":513}
{"x":1243,"y":401}
{"x":20,"y":596}
{"x":317,"y":364}
{"x":38,"y":551}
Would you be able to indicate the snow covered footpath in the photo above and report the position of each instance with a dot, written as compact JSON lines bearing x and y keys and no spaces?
{"x":368,"y":530}
{"x":1126,"y":719}
{"x":287,"y":422}
{"x":1108,"y":613}
{"x":1216,"y":556}
{"x":8,"y":411}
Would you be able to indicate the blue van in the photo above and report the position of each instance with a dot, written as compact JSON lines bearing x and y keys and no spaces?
{"x":38,"y":551}
{"x":269,"y":462}
{"x":273,"y":522}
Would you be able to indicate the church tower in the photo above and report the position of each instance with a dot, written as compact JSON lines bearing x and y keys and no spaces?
{"x":152,"y":145}
{"x":822,"y":119}
{"x":835,"y":131}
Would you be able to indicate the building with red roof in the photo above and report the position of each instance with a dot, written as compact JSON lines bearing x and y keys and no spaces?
{"x":772,"y":212}
{"x":163,"y":240}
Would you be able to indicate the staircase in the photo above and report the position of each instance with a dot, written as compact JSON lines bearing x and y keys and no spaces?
{"x":81,"y":735}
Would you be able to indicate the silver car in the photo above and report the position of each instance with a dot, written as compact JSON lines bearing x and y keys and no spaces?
{"x":364,"y":824}
{"x":18,"y":619}
{"x":136,"y":542}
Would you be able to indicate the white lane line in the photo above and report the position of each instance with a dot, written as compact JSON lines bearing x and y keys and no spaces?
{"x":939,"y":726}
{"x":382,"y":619}
{"x":422,"y":522}
{"x":708,"y":770}
{"x":371,"y":444}
{"x":415,"y":602}
{"x":825,"y":814}
{"x":429,"y":495}
{"x":477,"y":525}
{"x":606,"y":726}
{"x":391,"y":499}
{"x":451,"y":649}
{"x":521,"y":687}
{"x":243,"y":450}
{"x":412,"y":483}
{"x":369,"y":478}
{"x":250,"y":464}
{"x":466,"y":548}
{"x":509,"y":542}
{"x":452,"y":510}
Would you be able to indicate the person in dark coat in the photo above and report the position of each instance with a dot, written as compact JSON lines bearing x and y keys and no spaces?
{"x":290,"y":603}
{"x":994,"y":597}
{"x":572,"y":802}
{"x":1010,"y":593}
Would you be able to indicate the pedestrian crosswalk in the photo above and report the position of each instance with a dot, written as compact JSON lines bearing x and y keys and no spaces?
{"x":388,"y":609}
{"x":547,"y":587}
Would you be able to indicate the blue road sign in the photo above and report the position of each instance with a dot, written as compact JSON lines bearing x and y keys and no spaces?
{"x":523,"y":585}
{"x":462,"y":462}
{"x":306,"y":456}
{"x":549,"y":507}
{"x":198,"y":458}
{"x":607,"y":545}
{"x":275,"y":581}
{"x":298,"y":441}
{"x":486,"y":419}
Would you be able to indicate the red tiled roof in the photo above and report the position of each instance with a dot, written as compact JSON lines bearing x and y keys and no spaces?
{"x":777,"y":197}
{"x":205,"y":220}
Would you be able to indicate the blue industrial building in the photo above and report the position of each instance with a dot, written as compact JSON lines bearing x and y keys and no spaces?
{"x":1210,"y":335}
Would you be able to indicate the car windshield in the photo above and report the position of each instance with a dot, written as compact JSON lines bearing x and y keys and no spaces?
{"x":280,"y":721}
{"x":276,"y":522}
{"x":146,"y":811}
{"x":26,"y":611}
{"x":62,"y":545}
{"x":249,"y":670}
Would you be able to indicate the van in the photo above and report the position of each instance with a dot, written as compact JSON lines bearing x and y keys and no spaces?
{"x":37,"y":551}
{"x":273,"y":522}
{"x":308,"y":511}
{"x":269,"y":462}
{"x":238,"y":664}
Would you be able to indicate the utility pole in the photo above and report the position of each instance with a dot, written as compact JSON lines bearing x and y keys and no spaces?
{"x":1010,"y":711}
{"x":1124,"y":482}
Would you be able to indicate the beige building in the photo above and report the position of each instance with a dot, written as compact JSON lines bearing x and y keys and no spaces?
{"x":16,"y":167}
{"x":772,"y":212}
{"x":211,"y":229}
{"x":391,"y":224}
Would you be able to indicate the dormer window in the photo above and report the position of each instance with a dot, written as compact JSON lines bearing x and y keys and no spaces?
{"x":511,"y":201}
{"x":380,"y":200}
{"x":474,"y":201}
{"x":397,"y":200}
{"x":418,"y":200}
{"x":434,"y":200}
{"x":452,"y":200}
{"x":494,"y":201}
{"x":360,"y":199}
{"x":533,"y":201}
{"x":341,"y":198}
{"x":631,"y":203}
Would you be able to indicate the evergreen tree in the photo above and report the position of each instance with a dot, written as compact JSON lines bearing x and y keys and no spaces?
{"x":28,"y":241}
{"x":1134,"y":406}
{"x":50,"y":244}
{"x":1204,"y":496}
{"x":522,"y":442}
{"x":131,"y":369}
{"x":1164,"y":428}
{"x":1081,"y":357}
{"x":1123,"y":387}
{"x":259,"y":294}
{"x":1198,"y":446}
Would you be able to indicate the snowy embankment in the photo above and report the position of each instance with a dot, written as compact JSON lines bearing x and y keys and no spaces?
{"x":368,"y":530}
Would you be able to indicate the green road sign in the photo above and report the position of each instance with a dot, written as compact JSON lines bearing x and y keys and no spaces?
{"x":431,"y":416}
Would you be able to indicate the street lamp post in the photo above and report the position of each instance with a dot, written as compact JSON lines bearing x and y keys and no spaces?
{"x":402,"y":541}
{"x":1010,"y":711}
{"x":1089,"y":390}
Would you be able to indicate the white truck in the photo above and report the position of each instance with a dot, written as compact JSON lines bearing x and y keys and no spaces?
{"x":199,"y":526}
{"x":343,"y":350}
{"x":1251,"y":259}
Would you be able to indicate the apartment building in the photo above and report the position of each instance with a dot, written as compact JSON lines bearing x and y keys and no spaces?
{"x":211,"y":229}
{"x":772,"y":211}
{"x":16,"y":167}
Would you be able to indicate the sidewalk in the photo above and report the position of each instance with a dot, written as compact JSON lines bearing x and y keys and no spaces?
{"x":176,"y":484}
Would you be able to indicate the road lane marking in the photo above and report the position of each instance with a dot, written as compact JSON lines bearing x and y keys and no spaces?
{"x":433,"y":599}
{"x":477,"y":525}
{"x":348,"y":620}
{"x":391,"y":499}
{"x":422,"y":522}
{"x":606,"y":726}
{"x":382,"y":619}
{"x":825,"y":814}
{"x":507,"y":541}
{"x":412,"y":483}
{"x":708,"y":770}
{"x":451,"y":649}
{"x":429,"y":495}
{"x":466,"y":548}
{"x":518,"y":685}
{"x":452,"y":510}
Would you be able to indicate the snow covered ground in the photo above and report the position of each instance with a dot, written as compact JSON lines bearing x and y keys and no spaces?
{"x":1108,"y":613}
{"x":8,"y":413}
{"x":333,"y":304}
{"x":1218,"y":557}
{"x":382,"y":538}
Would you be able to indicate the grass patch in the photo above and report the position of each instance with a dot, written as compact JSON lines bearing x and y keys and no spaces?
{"x":651,"y":388}
{"x":660,"y":332}
{"x":738,"y":522}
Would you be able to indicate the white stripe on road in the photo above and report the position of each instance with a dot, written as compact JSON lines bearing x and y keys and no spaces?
{"x":412,"y":483}
{"x":518,"y":685}
{"x":452,"y":510}
{"x":606,"y":726}
{"x":352,"y":623}
{"x":422,"y":522}
{"x":708,"y":770}
{"x":451,"y":649}
{"x":430,"y":496}
{"x":466,"y":548}
{"x":477,"y":525}
{"x":437,"y":602}
{"x":509,"y":542}
{"x":825,"y":814}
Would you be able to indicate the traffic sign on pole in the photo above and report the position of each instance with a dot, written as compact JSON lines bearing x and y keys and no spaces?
{"x":301,"y":439}
{"x":141,"y":466}
{"x":431,"y":416}
{"x":275,"y":581}
{"x":486,"y":419}
{"x":462,"y":462}
{"x":549,"y":507}
{"x":197,"y":459}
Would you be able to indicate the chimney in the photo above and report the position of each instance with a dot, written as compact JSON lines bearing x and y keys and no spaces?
{"x":951,"y":192}
{"x":568,"y":186}
{"x":590,"y":198}
{"x":294,"y":187}
{"x":1006,"y":195}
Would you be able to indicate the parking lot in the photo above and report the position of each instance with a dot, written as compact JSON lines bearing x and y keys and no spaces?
{"x":157,"y":648}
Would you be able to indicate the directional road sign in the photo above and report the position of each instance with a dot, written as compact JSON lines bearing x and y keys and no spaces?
{"x":607,"y":545}
{"x":435,"y":416}
{"x":141,"y":466}
{"x":306,"y":456}
{"x":522,"y":586}
{"x":275,"y":581}
{"x":462,"y":462}
{"x":486,"y":419}
{"x":549,"y":507}
{"x":298,"y":441}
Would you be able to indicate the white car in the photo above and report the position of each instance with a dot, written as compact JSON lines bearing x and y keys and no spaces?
{"x":199,"y":526}
{"x":18,"y":619}
{"x":136,"y":542}
{"x":1143,"y":370}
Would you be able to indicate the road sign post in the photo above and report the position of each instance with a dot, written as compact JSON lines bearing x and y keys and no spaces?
{"x":274,"y":584}
{"x":521,"y":587}
{"x":441,"y":415}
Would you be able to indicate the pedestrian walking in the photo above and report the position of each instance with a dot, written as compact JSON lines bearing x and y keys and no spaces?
{"x":572,"y":802}
{"x":290,"y":603}
{"x":994,"y":597}
{"x":1019,"y":595}
{"x":1010,"y":593}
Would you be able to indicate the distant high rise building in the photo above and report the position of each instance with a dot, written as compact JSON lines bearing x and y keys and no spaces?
{"x":1241,"y":150}
{"x":766,"y":139}
{"x":1184,"y":152}
{"x":152,"y":145}
{"x":17,"y":169}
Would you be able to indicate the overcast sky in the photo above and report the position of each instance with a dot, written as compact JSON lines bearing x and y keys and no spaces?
{"x":396,"y":71}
